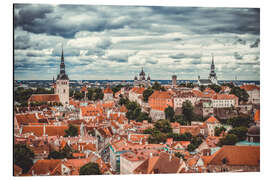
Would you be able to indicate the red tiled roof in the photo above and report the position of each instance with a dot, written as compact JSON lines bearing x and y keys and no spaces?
{"x":91,"y":111}
{"x":224,"y":96}
{"x":50,"y":130}
{"x":257,"y":115}
{"x":194,"y":130}
{"x":42,"y":167}
{"x":44,"y":98}
{"x":83,"y":89}
{"x":26,"y":118}
{"x":237,"y":156}
{"x":212,"y":119}
{"x":108,"y":91}
{"x":250,"y":87}
{"x":137,"y":90}
{"x":161,"y":94}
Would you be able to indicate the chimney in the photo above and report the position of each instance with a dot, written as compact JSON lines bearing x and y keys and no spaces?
{"x":44,"y":130}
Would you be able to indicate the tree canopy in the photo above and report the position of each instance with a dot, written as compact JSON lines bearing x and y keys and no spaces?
{"x":147,"y":93}
{"x":240,"y":93}
{"x":23,"y":157}
{"x":90,"y":169}
{"x":169,"y":113}
{"x":187,"y":110}
{"x":229,"y":139}
{"x":71,"y":131}
{"x":163,"y":126}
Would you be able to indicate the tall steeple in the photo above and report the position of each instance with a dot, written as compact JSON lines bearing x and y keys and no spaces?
{"x":62,"y":64}
{"x":62,"y":75}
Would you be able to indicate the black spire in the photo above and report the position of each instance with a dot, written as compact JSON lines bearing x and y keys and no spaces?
{"x":212,"y":73}
{"x":62,"y":75}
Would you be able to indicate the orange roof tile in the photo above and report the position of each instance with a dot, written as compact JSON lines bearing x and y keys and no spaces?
{"x":194,"y":130}
{"x":108,"y":90}
{"x":212,"y":119}
{"x":43,"y":167}
{"x":44,"y":98}
{"x":26,"y":118}
{"x":250,"y":87}
{"x":257,"y":115}
{"x":237,"y":156}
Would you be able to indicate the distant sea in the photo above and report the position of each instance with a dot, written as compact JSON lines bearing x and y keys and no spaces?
{"x":237,"y":82}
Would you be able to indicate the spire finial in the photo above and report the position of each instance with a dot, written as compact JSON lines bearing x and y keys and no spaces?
{"x":212,"y":58}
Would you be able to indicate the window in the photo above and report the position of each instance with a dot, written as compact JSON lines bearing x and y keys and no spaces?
{"x":64,"y":91}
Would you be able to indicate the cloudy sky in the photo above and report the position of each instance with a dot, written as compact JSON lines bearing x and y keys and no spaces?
{"x":115,"y":42}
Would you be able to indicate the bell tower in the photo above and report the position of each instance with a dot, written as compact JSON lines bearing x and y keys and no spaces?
{"x":62,"y":83}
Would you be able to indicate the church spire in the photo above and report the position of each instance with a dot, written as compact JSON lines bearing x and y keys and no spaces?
{"x":62,"y":64}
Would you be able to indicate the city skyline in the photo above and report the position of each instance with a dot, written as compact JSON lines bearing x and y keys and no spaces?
{"x":101,"y":43}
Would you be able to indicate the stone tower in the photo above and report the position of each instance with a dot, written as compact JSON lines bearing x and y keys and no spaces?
{"x":174,"y":80}
{"x":62,"y":83}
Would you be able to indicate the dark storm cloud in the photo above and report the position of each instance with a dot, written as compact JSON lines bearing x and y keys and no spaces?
{"x":107,"y":36}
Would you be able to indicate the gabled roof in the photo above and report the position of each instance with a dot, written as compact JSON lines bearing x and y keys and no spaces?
{"x":164,"y":163}
{"x":237,"y":156}
{"x":44,"y":98}
{"x":161,"y":94}
{"x":108,"y":90}
{"x":250,"y":87}
{"x":50,"y":130}
{"x":212,"y":119}
{"x":43,"y":167}
{"x":194,"y":130}
{"x":26,"y":118}
{"x":137,"y":90}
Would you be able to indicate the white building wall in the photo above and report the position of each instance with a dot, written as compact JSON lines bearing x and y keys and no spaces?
{"x":62,"y":89}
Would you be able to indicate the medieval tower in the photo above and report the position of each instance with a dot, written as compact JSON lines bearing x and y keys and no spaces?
{"x":62,"y":83}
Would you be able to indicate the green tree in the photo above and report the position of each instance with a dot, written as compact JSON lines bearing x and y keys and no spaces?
{"x":147,"y":93}
{"x":191,"y":147}
{"x":163,"y":126}
{"x":23,"y":157}
{"x":98,"y":94}
{"x":71,"y":131}
{"x":180,"y":120}
{"x":219,"y":130}
{"x":187,"y":110}
{"x":230,"y":139}
{"x":240,"y":132}
{"x":202,"y":88}
{"x":78,"y":95}
{"x":169,"y":113}
{"x":239,"y":121}
{"x":90,"y":94}
{"x":90,"y":169}
{"x":240,"y":93}
{"x":179,"y":155}
{"x":156,"y":86}
{"x":157,"y":137}
{"x":215,"y":87}
{"x":56,"y":155}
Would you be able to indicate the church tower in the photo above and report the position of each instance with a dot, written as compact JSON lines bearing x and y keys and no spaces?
{"x":212,"y":75}
{"x":62,"y":83}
